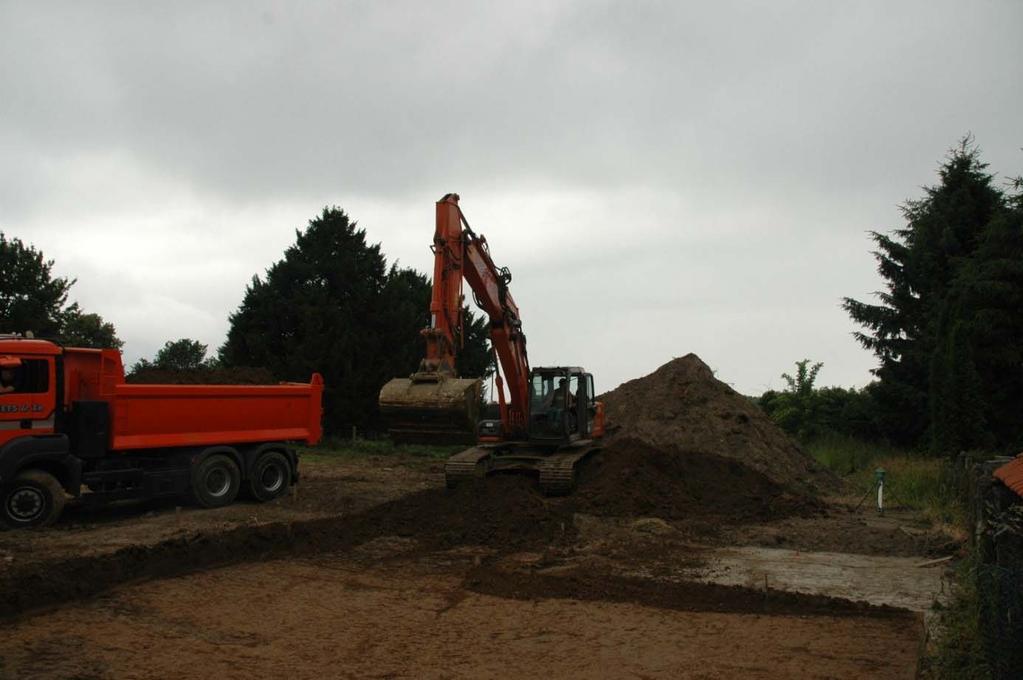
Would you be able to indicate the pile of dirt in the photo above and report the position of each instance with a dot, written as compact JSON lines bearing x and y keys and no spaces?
{"x":503,"y":511}
{"x":631,"y":478}
{"x":683,"y":410}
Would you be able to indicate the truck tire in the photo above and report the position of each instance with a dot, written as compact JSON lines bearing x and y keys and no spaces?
{"x":215,"y":481}
{"x":270,"y":478}
{"x":34,"y":499}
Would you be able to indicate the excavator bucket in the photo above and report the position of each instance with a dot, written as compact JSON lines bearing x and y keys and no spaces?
{"x":431,"y":409}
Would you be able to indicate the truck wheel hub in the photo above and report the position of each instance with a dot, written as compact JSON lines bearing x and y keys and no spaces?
{"x":25,"y":504}
{"x":218,"y":481}
{"x":271,"y":478}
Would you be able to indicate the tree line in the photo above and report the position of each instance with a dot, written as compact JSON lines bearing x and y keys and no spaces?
{"x":947,"y":329}
{"x":331,"y":305}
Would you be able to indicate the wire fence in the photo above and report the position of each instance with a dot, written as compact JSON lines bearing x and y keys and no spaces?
{"x":997,"y":520}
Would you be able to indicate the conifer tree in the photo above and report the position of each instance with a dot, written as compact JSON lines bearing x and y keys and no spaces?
{"x":977,"y":371}
{"x":919,"y":264}
{"x":332,"y":306}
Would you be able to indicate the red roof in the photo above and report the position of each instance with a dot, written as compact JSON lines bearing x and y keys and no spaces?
{"x":1011,"y":474}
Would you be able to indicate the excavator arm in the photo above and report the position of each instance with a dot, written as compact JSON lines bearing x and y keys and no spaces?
{"x":434,"y":404}
{"x":490,"y":290}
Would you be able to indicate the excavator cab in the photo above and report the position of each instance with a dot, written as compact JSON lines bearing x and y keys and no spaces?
{"x":562,"y":406}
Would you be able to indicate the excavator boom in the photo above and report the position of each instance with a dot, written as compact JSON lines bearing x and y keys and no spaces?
{"x":434,"y":405}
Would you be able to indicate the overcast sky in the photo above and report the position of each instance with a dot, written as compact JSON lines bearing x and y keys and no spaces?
{"x":660,"y":177}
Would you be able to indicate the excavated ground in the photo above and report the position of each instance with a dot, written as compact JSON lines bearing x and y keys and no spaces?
{"x":491,"y":581}
{"x":375,"y":570}
{"x":328,"y":617}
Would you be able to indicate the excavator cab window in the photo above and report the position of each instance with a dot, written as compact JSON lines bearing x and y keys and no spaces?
{"x":548,"y":405}
{"x":571,"y":408}
{"x":591,"y":403}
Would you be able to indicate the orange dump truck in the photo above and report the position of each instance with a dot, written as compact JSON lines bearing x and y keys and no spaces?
{"x":69,"y":424}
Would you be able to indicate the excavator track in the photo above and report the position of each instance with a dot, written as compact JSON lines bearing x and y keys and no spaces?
{"x":471,"y":464}
{"x":558,"y":471}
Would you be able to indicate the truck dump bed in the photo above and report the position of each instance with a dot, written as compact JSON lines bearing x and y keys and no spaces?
{"x":163,"y":416}
{"x":154,"y":416}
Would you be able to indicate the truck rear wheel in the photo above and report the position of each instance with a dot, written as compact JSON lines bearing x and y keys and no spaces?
{"x":271,"y":476}
{"x":215,"y":481}
{"x":34,"y":499}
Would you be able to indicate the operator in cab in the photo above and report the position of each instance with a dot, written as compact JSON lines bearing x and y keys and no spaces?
{"x":8,"y":380}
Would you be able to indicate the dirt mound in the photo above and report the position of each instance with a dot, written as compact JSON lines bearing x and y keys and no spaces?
{"x":681,"y":408}
{"x":633,"y":479}
{"x":503,"y":511}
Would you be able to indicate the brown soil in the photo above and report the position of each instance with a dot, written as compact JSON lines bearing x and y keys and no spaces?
{"x":332,"y":618}
{"x":632,"y":478}
{"x":687,"y":596}
{"x":899,"y":533}
{"x":375,"y":572}
{"x":682,"y":409}
{"x":505,"y":513}
{"x":707,"y":499}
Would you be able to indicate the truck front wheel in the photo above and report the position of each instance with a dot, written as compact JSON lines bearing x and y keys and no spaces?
{"x":215,"y":481}
{"x":271,"y":476}
{"x":34,"y":499}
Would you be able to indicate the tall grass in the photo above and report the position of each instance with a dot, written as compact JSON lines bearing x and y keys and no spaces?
{"x":911,"y":480}
{"x":846,"y":456}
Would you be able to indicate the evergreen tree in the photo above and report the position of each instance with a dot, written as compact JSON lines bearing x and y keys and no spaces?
{"x":977,"y":370}
{"x":919,"y":264}
{"x":332,"y":305}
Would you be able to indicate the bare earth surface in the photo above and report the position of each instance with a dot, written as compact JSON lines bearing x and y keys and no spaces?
{"x":339,"y":487}
{"x":373,"y":570}
{"x":332,"y":618}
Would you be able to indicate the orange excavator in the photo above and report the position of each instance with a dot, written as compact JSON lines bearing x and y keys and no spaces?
{"x":550,"y":420}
